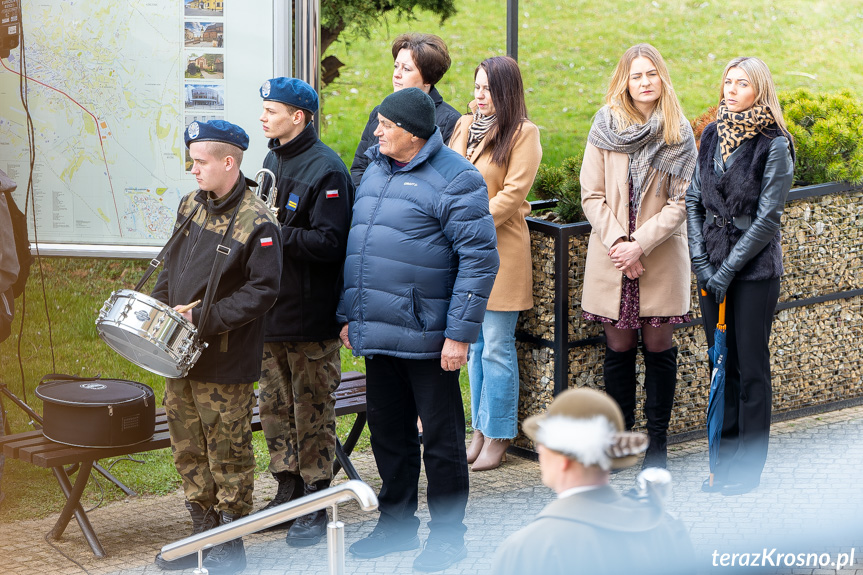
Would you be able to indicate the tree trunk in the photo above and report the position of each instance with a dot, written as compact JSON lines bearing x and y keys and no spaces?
{"x":330,"y":65}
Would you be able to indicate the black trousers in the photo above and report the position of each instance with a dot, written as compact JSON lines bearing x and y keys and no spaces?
{"x":397,"y":390}
{"x":748,"y":391}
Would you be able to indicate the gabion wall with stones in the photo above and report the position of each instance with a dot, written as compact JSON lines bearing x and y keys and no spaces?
{"x":815,"y":347}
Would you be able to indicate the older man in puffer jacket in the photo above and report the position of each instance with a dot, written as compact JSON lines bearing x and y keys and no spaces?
{"x":421,"y":261}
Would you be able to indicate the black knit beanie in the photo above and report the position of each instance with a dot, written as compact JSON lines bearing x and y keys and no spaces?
{"x":411,"y":109}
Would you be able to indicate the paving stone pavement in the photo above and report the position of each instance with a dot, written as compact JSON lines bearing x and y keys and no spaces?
{"x":810,"y":502}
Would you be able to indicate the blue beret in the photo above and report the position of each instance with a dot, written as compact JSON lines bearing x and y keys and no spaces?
{"x":217,"y":131}
{"x":292,"y":92}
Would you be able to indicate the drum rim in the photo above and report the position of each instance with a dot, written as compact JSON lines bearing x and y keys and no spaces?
{"x":152,"y":302}
{"x":146,"y":391}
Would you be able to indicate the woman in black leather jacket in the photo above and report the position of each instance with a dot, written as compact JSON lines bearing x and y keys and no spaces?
{"x":734,"y":204}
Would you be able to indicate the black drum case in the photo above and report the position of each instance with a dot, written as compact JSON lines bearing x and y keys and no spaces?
{"x":97,"y":412}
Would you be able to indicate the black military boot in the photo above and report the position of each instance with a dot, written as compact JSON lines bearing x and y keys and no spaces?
{"x":618,"y":374}
{"x":309,"y":529}
{"x":202,"y":520}
{"x":660,"y":380}
{"x":290,"y":488}
{"x":227,"y":558}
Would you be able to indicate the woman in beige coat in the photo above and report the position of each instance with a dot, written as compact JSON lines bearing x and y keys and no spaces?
{"x":638,"y":162}
{"x":504,"y":146}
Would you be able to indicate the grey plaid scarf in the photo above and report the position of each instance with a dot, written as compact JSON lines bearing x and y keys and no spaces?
{"x":648,"y":153}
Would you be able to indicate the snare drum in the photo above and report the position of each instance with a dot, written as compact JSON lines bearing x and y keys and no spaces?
{"x":149,"y":333}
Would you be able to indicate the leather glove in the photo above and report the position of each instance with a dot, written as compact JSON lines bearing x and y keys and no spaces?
{"x":704,"y":274}
{"x":718,"y":284}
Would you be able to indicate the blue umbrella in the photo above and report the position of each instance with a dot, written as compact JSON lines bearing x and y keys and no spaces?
{"x":716,"y":403}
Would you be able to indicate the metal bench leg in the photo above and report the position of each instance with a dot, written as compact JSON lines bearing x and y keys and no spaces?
{"x":343,"y":461}
{"x":107,"y":474}
{"x":343,"y":453}
{"x":73,"y":507}
{"x":356,"y":431}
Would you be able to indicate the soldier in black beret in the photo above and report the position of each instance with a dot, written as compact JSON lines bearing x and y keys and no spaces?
{"x":210,"y":410}
{"x":301,"y":366}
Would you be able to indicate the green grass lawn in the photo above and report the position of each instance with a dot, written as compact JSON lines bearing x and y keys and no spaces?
{"x":568,"y":50}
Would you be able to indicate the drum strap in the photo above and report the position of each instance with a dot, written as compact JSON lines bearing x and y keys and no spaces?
{"x":222,"y":252}
{"x":155,"y":263}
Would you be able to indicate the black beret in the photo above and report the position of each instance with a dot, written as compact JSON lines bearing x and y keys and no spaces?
{"x":217,"y":131}
{"x":292,"y":92}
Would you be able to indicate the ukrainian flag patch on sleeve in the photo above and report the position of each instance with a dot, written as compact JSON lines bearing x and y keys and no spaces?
{"x":293,"y":200}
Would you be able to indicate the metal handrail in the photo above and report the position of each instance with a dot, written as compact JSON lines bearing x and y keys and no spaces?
{"x":351,"y":490}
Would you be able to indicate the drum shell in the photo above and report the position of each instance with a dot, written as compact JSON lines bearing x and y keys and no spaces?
{"x":97,"y":413}
{"x":149,"y":333}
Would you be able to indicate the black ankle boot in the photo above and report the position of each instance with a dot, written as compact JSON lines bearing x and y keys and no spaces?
{"x":311,"y":528}
{"x":227,"y":558}
{"x":202,"y":520}
{"x":290,"y":488}
{"x":660,"y":381}
{"x":618,"y":374}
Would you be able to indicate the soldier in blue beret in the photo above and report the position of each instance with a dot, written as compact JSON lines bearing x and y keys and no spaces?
{"x":210,"y":410}
{"x":301,"y":367}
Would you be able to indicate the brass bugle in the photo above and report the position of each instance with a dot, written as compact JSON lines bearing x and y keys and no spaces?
{"x":270,"y":197}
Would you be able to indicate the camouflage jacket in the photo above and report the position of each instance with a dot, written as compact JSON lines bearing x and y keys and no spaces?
{"x":248,"y":287}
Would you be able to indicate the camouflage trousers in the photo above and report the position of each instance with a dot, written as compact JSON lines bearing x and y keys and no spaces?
{"x":297,"y":406}
{"x":210,"y":425}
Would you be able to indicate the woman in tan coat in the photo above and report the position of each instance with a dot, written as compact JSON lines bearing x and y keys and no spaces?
{"x":639,"y":159}
{"x":504,"y":146}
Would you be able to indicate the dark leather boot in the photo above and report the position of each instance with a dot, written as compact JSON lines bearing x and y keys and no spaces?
{"x":311,"y":528}
{"x":290,"y":488}
{"x":660,"y":381}
{"x":618,"y":374}
{"x":228,"y":558}
{"x":202,"y":520}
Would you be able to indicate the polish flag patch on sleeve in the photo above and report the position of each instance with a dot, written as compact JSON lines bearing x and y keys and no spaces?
{"x":266,"y":242}
{"x":332,"y":194}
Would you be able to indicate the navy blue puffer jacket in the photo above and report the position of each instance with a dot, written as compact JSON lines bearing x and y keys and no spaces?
{"x":421,"y":256}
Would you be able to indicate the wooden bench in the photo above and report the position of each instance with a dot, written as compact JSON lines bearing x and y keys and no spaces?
{"x":33,"y":447}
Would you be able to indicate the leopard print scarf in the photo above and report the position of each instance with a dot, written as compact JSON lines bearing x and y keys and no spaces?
{"x":478,"y":130}
{"x":734,"y":128}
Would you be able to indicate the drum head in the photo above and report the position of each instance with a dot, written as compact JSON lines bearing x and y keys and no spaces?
{"x":140,"y":351}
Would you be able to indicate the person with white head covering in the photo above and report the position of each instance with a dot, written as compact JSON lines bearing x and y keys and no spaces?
{"x":590,"y":527}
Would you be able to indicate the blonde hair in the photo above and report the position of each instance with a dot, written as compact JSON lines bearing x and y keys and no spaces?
{"x":623,"y":107}
{"x":762,"y":82}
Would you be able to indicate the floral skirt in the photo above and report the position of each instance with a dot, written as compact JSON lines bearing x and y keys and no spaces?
{"x":629,"y":307}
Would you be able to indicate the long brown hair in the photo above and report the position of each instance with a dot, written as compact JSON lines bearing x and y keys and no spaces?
{"x":620,"y":101}
{"x":507,"y":95}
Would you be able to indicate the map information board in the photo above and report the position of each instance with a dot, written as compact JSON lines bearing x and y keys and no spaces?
{"x":109,"y":86}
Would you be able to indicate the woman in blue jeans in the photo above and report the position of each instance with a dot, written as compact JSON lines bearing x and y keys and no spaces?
{"x":503,"y":144}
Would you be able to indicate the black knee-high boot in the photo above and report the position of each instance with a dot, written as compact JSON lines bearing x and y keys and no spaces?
{"x":660,"y":380}
{"x":619,"y":377}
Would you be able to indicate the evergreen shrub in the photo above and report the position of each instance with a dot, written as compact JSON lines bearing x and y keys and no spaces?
{"x":561,"y":183}
{"x":828,"y":135}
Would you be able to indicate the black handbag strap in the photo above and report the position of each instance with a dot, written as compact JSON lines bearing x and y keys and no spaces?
{"x":222,"y":252}
{"x":157,"y":261}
